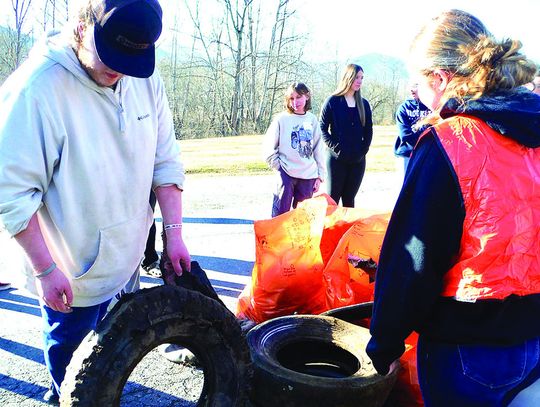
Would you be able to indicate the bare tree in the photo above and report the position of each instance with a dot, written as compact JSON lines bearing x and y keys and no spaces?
{"x":18,"y":36}
{"x":55,"y":14}
{"x":274,"y":51}
{"x":15,"y":41}
{"x":228,"y":65}
{"x":236,"y":22}
{"x":253,"y":39}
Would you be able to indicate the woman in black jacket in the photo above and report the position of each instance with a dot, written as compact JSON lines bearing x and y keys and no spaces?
{"x":347,"y":130}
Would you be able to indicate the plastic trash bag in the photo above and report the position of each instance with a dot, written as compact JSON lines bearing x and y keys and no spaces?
{"x":302,"y":260}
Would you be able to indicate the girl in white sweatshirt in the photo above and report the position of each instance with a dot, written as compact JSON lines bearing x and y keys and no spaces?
{"x":293,"y":147}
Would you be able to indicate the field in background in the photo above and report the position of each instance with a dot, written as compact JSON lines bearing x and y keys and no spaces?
{"x":241,"y":155}
{"x":381,"y":157}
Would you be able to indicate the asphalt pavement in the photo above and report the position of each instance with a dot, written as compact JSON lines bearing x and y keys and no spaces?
{"x":218,"y":216}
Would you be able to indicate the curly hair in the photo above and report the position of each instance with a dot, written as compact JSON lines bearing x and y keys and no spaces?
{"x":479,"y":64}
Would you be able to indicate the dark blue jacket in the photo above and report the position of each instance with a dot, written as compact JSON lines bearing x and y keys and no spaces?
{"x":344,"y":135}
{"x":407,"y":116}
{"x":424,"y":236}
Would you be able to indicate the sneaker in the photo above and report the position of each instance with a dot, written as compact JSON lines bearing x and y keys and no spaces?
{"x":51,"y":398}
{"x":152,"y":269}
{"x":4,"y":286}
{"x":178,"y":354}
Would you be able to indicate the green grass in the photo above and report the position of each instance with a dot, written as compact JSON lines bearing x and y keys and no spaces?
{"x":381,"y":157}
{"x":241,"y":155}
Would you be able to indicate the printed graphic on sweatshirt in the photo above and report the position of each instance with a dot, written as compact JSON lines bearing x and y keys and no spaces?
{"x":414,"y":115}
{"x":301,"y":138}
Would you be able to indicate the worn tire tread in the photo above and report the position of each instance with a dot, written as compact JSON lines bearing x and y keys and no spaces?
{"x":143,"y":320}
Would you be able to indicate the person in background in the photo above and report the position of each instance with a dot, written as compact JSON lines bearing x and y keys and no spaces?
{"x":86,"y":132}
{"x":347,"y":130}
{"x":293,"y":147}
{"x":151,"y":259}
{"x":408,"y":115}
{"x":460,"y":262}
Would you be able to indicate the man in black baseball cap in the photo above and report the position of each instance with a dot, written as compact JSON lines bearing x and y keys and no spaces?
{"x":86,"y":133}
{"x":125,"y":32}
{"x":114,"y":38}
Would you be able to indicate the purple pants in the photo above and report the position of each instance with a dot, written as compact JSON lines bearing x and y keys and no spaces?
{"x":290,"y":191}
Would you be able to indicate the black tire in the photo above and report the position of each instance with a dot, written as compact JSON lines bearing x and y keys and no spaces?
{"x":352,"y":313}
{"x":304,"y":360}
{"x":140,"y":322}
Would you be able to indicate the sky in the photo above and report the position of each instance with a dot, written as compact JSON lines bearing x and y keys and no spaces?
{"x":347,"y":29}
{"x":350,"y":28}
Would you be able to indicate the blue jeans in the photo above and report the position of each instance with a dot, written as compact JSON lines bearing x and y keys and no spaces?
{"x":475,"y":375}
{"x":62,"y":334}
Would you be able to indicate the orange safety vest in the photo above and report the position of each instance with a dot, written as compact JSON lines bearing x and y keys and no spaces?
{"x":500,"y":183}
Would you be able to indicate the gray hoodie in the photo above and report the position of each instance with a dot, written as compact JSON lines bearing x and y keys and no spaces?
{"x":85,"y":158}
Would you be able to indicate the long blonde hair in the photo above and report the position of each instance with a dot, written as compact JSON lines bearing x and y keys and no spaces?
{"x":347,"y":79}
{"x":459,"y":43}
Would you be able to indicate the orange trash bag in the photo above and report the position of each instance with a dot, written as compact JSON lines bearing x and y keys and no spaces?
{"x":406,"y":391}
{"x":349,"y":274}
{"x":301,"y":260}
{"x":287,"y":275}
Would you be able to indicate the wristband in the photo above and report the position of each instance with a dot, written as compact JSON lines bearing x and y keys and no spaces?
{"x":172,"y":226}
{"x":47,"y":271}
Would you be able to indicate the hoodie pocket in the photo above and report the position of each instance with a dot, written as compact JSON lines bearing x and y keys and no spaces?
{"x":120,"y":251}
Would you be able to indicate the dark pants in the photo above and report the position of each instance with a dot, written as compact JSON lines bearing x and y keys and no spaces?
{"x":476,"y":375}
{"x":344,"y":180}
{"x":150,"y":254}
{"x":290,"y":191}
{"x":63,"y":333}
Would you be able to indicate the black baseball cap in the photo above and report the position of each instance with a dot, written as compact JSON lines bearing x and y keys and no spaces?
{"x":125,"y":33}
